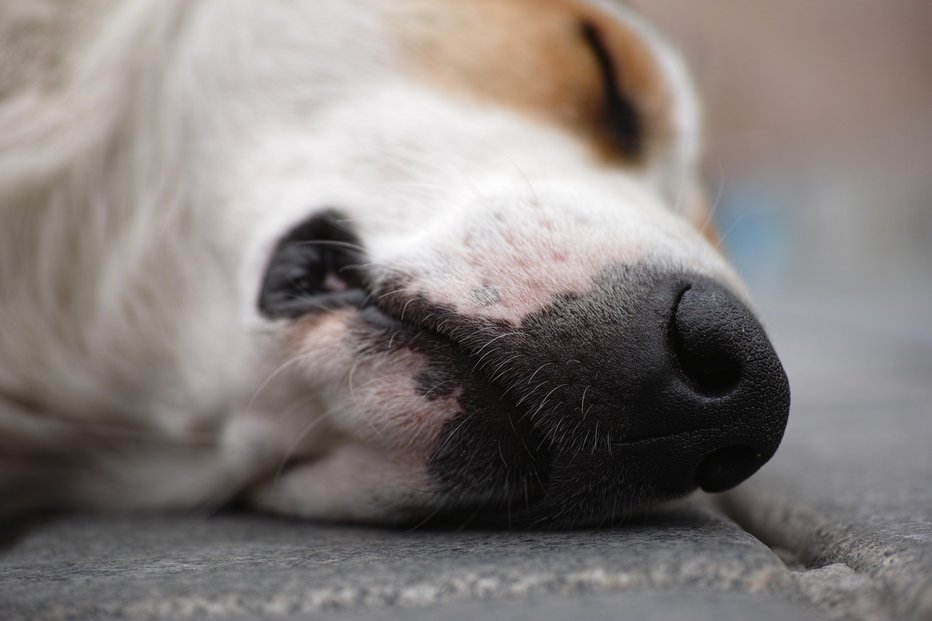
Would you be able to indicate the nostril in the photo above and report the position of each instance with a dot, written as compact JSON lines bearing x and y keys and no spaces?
{"x":727,"y":467}
{"x":699,"y":353}
{"x":710,"y":374}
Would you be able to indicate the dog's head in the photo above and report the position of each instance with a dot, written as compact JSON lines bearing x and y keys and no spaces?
{"x":485,"y":268}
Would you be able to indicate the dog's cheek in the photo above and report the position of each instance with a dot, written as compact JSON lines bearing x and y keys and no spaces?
{"x":379,"y":388}
{"x":397,"y":402}
{"x":384,"y":399}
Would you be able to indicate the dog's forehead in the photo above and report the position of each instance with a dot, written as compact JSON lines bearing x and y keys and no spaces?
{"x":567,"y":63}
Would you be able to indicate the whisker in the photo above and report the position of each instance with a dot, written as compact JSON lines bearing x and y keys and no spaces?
{"x":718,"y":198}
{"x":403,"y":289}
{"x":530,"y":379}
{"x":582,"y":402}
{"x":280,"y":369}
{"x":299,"y":438}
{"x":731,"y":229}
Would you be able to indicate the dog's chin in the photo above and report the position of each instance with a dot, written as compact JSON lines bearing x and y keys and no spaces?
{"x":558,"y":491}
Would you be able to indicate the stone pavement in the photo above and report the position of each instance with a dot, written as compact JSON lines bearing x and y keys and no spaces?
{"x":848,"y":497}
{"x":839,"y":525}
{"x":259,"y":567}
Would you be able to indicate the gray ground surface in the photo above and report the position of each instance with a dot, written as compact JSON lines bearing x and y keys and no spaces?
{"x":258,"y":567}
{"x":839,"y":525}
{"x":849,"y":494}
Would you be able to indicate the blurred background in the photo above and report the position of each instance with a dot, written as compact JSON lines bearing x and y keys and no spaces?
{"x":818,"y":142}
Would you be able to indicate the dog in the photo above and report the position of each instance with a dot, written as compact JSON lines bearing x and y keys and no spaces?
{"x":376,"y":261}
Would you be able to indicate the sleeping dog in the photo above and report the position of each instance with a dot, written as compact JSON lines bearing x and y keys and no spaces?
{"x":376,"y":261}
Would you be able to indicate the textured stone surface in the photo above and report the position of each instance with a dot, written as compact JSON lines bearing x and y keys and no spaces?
{"x":848,"y":498}
{"x":682,"y":605}
{"x":260,"y":567}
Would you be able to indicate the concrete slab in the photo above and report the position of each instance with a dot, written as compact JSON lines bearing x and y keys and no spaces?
{"x":680,"y":605}
{"x":258,"y":568}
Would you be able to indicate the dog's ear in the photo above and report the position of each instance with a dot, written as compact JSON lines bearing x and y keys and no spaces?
{"x":316,"y":266}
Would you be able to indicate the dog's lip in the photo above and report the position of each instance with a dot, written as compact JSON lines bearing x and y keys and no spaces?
{"x":375,"y":316}
{"x":539,"y":509}
{"x":393,"y":297}
{"x":636,"y":441}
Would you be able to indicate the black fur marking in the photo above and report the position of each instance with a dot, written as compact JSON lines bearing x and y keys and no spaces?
{"x":307,"y":262}
{"x":621,"y":116}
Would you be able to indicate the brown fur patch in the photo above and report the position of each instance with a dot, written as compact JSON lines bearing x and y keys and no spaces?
{"x":533,"y":55}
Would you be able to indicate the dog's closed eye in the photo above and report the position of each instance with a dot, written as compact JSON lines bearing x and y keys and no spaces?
{"x":564,"y":63}
{"x":314,"y":267}
{"x":619,"y":114}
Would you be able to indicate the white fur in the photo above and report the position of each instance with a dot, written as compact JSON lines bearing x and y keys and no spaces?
{"x":145,"y":176}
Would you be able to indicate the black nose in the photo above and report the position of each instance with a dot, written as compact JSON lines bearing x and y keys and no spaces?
{"x":728,"y":375}
{"x":668,"y":376}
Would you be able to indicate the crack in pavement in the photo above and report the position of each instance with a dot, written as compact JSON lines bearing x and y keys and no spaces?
{"x":845,"y":571}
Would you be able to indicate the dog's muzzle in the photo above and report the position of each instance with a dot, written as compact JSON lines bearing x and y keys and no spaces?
{"x":646,"y":387}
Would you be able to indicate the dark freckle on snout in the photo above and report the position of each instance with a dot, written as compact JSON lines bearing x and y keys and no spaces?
{"x":486,"y":296}
{"x":437,"y":382}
